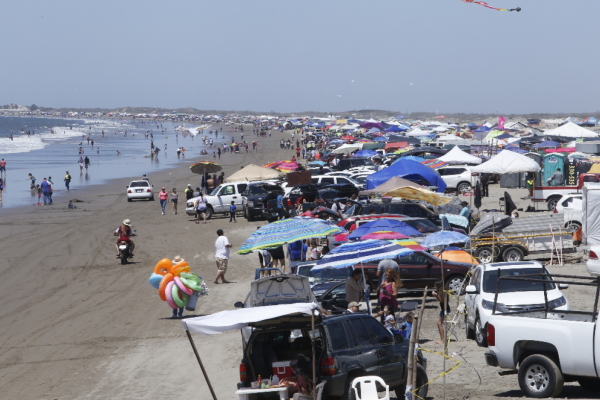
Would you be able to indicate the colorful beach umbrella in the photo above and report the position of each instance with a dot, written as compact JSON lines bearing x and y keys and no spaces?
{"x":383,"y":224}
{"x":272,"y":164}
{"x":384,"y":235}
{"x":352,"y":253}
{"x":287,"y":166}
{"x":205,"y":167}
{"x":435,"y":163}
{"x":288,"y":230}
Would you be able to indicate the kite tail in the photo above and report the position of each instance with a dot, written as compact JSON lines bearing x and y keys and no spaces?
{"x":483,"y":3}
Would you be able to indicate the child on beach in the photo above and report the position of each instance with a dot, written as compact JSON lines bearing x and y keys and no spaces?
{"x":71,"y":205}
{"x":232,"y":212}
{"x":39,"y":193}
{"x":174,"y":198}
{"x":439,"y":294}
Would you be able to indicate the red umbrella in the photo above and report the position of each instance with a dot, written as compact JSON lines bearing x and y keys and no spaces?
{"x":348,"y":138}
{"x":384,"y":235}
{"x":341,"y":237}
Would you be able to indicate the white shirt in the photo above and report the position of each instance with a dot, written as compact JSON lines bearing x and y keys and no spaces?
{"x":222,"y":251}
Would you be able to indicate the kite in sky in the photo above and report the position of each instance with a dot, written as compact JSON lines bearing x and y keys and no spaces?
{"x":483,"y":3}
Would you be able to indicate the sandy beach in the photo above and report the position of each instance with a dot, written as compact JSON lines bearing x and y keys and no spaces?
{"x":75,"y":324}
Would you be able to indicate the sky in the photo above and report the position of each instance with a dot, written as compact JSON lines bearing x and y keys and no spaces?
{"x":441,"y":56}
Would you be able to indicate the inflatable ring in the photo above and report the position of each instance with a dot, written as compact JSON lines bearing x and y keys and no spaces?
{"x":176,"y":270}
{"x":155,"y":280}
{"x":163,"y":286}
{"x":181,"y":286}
{"x":163,"y":267}
{"x":181,"y":264}
{"x":169,"y":295}
{"x":179,"y":297}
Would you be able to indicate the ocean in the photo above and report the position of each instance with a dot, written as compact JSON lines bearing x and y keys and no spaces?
{"x":46,"y":154}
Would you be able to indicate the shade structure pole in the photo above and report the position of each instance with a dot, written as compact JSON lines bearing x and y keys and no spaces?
{"x":201,"y":365}
{"x":314,"y":374}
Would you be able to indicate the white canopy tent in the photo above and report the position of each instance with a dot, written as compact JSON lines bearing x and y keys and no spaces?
{"x":418,"y":132}
{"x":347,"y":148}
{"x":237,"y":319}
{"x":457,"y":156}
{"x":253,"y":172}
{"x":507,"y":162}
{"x":571,"y":130}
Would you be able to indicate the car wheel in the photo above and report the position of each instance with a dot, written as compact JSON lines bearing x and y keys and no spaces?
{"x":209,"y":213}
{"x":552,"y":202}
{"x":250,"y":216}
{"x":422,"y":379}
{"x":513,"y":254}
{"x":348,"y":392}
{"x":470,"y":333}
{"x":454,"y":284}
{"x":152,"y":198}
{"x":463,"y":187}
{"x":129,"y":200}
{"x":484,"y":255}
{"x":573,"y":226}
{"x":589,"y":384}
{"x":480,"y":333}
{"x":539,"y":377}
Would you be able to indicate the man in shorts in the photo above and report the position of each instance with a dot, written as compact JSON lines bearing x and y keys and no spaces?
{"x":222,"y":247}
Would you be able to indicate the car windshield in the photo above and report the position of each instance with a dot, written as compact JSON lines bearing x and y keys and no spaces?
{"x":327,"y":274}
{"x":214,"y":192}
{"x":361,"y":179}
{"x":139,"y":184}
{"x":423,"y":225}
{"x":361,"y":162}
{"x":490,"y":280}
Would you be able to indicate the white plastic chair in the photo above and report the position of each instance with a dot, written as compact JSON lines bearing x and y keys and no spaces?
{"x":368,"y":388}
{"x":319,"y":389}
{"x":455,"y":320}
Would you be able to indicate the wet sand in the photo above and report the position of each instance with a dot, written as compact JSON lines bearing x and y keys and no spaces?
{"x":75,"y":324}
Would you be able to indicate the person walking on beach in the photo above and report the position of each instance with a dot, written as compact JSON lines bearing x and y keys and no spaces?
{"x":45,"y":186}
{"x":87,"y":163}
{"x":164,"y":199}
{"x":2,"y":167}
{"x":67,"y":180}
{"x":1,"y":188}
{"x":222,"y":247}
{"x":32,"y":179}
{"x":219,"y":152}
{"x":200,"y":208}
{"x":189,"y":192}
{"x":80,"y":164}
{"x":174,"y":199}
{"x":51,"y":188}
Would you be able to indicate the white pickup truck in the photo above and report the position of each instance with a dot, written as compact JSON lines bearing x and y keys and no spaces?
{"x":548,"y":348}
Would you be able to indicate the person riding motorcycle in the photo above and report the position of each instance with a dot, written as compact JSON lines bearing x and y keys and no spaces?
{"x":124,"y":233}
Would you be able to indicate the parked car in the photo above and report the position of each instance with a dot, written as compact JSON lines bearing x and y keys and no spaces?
{"x":513,"y":296}
{"x":219,"y":200}
{"x":355,"y":162}
{"x":573,"y":200}
{"x":347,"y":346}
{"x":459,"y":177}
{"x":333,"y":180}
{"x":593,"y":262}
{"x":140,"y":190}
{"x":254,"y":198}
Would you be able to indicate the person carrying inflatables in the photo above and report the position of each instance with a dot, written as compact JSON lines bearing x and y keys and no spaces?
{"x":124,"y":233}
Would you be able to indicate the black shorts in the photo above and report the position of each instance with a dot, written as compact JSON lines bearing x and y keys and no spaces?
{"x":174,"y":201}
{"x":277,"y":253}
{"x":280,"y":212}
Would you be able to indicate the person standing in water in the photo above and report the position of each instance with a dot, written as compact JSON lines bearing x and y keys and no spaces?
{"x":67,"y":180}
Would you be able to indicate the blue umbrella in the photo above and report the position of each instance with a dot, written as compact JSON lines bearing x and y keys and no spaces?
{"x":381,"y":139}
{"x":443,"y":238}
{"x":365,"y":153}
{"x":383,"y":224}
{"x":547,"y":143}
{"x":289,"y":230}
{"x":318,"y":162}
{"x":414,"y":158}
{"x":352,"y":253}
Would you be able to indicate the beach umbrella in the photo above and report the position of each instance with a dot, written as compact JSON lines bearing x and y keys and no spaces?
{"x":380,"y":139}
{"x":272,"y":164}
{"x":341,"y":237}
{"x":383,"y":224}
{"x":434,"y":164}
{"x":318,"y":163}
{"x":384,"y":235}
{"x":417,"y":193}
{"x":414,"y":158}
{"x":444,"y":238}
{"x":287,"y":166}
{"x":456,"y":254}
{"x":348,"y":137}
{"x":365,"y":153}
{"x":205,"y":167}
{"x":288,"y":230}
{"x":351,"y":253}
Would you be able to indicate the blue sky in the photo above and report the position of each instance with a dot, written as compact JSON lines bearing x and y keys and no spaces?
{"x":287,"y":56}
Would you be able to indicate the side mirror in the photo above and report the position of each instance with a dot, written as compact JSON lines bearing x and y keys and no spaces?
{"x":398,"y":338}
{"x":563,"y":285}
{"x":238,"y":304}
{"x":471,"y":289}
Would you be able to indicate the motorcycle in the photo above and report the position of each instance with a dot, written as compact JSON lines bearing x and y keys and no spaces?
{"x":124,"y":252}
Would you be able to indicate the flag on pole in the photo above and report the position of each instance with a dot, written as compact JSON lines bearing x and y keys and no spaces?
{"x":501,"y":121}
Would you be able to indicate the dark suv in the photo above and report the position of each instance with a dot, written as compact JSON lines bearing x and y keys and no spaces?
{"x":255,"y":195}
{"x":346,"y":346}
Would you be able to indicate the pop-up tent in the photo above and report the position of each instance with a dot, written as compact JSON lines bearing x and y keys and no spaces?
{"x":507,"y":162}
{"x":457,"y":156}
{"x":388,"y":186}
{"x":253,"y":172}
{"x":407,"y":169}
{"x":571,"y":130}
{"x":347,"y":148}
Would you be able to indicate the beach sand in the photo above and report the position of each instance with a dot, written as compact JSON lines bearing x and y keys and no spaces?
{"x":75,"y":324}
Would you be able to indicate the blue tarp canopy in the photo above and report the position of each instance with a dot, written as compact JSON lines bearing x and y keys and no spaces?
{"x":413,"y":158}
{"x":365,"y":153}
{"x":374,"y":130}
{"x":472,"y":125}
{"x":546,"y":143}
{"x":380,"y":139}
{"x":400,"y":117}
{"x":483,"y":128}
{"x":407,"y":169}
{"x":395,"y":128}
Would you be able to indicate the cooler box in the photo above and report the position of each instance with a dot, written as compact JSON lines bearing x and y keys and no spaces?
{"x":282,"y":369}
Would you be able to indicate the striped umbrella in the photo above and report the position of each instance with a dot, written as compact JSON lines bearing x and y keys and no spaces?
{"x":272,"y":164}
{"x":384,"y":235}
{"x":205,"y":167}
{"x":444,"y":238}
{"x":288,"y":230}
{"x":435,"y":163}
{"x":352,"y":253}
{"x":287,"y":166}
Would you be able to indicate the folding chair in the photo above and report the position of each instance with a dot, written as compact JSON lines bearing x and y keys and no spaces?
{"x":455,"y":320}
